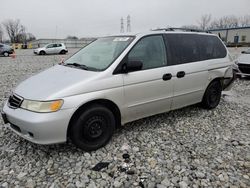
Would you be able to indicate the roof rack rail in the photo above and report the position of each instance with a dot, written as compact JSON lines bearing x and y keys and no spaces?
{"x":182,"y":29}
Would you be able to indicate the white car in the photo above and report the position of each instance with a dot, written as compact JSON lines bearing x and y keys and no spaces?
{"x":118,"y":79}
{"x":243,"y":63}
{"x":53,"y":48}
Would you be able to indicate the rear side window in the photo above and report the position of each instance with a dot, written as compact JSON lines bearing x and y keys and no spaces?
{"x":211,"y":47}
{"x":187,"y":48}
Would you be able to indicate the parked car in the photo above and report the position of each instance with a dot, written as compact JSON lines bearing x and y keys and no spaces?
{"x":243,"y":63}
{"x":116,"y":80}
{"x":53,"y":48}
{"x":6,"y":50}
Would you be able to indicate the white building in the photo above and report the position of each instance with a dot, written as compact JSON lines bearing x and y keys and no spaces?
{"x":239,"y":36}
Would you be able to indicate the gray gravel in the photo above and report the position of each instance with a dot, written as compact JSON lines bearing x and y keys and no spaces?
{"x":190,"y":147}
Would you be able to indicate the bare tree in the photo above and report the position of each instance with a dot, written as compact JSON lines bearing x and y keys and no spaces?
{"x":1,"y":34}
{"x":205,"y":21}
{"x":71,"y":37}
{"x":13,"y":29}
{"x":244,"y":21}
{"x":190,"y":27}
{"x":30,"y":37}
{"x":225,"y":22}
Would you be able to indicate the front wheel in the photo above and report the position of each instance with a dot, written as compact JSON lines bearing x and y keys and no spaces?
{"x":93,"y":128}
{"x":212,"y":96}
{"x":42,"y":53}
{"x":6,"y":54}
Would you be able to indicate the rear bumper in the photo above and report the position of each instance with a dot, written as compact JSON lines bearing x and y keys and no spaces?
{"x":40,"y":128}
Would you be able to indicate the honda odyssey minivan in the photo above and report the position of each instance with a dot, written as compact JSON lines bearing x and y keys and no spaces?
{"x":119,"y":79}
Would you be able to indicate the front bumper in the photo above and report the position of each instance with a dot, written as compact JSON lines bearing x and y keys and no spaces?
{"x":40,"y":128}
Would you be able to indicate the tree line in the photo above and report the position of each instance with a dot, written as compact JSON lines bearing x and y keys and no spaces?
{"x":16,"y":31}
{"x":231,"y":21}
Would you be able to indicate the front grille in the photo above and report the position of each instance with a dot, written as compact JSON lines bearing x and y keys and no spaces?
{"x":15,"y":101}
{"x":244,"y":68}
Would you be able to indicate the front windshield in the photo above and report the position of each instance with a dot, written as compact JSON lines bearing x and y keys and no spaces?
{"x":99,"y":54}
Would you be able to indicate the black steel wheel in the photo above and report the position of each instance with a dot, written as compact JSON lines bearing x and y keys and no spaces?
{"x":93,"y":128}
{"x":212,"y":96}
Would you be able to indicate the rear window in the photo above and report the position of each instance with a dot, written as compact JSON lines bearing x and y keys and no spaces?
{"x":187,"y":48}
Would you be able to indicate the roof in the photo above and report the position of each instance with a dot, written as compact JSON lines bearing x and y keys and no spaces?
{"x":233,"y":28}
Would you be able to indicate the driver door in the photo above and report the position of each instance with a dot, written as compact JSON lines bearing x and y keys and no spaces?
{"x":148,"y":91}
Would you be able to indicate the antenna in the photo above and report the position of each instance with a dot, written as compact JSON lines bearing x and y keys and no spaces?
{"x":128,"y":24}
{"x":122,"y":26}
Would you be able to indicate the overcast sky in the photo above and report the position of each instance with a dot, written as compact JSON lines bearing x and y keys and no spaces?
{"x":85,"y":18}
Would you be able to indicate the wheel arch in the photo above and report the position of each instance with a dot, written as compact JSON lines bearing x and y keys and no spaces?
{"x":105,"y":102}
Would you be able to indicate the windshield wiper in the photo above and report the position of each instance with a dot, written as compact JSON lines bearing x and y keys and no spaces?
{"x":81,"y":66}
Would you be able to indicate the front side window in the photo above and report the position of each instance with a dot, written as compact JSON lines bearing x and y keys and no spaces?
{"x":150,"y":51}
{"x":100,"y":54}
{"x":50,"y":46}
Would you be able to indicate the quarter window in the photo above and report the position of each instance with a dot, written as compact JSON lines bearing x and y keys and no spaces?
{"x":150,"y":51}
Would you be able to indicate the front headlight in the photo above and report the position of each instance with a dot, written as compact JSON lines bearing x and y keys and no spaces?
{"x":42,"y":106}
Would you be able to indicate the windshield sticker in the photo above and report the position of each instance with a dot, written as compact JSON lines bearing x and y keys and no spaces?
{"x":121,"y":39}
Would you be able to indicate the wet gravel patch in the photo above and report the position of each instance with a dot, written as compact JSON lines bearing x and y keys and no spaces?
{"x":190,"y":147}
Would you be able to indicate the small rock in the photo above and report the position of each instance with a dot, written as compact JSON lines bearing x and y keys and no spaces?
{"x":200,"y":174}
{"x":246,"y":177}
{"x":21,"y":175}
{"x":221,"y":177}
{"x":166,"y":182}
{"x":5,"y":185}
{"x":80,"y":184}
{"x":117,"y":183}
{"x":125,"y":147}
{"x":183,"y":184}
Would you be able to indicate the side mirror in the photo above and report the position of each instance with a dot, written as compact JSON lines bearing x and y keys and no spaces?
{"x":131,"y":66}
{"x":243,"y":52}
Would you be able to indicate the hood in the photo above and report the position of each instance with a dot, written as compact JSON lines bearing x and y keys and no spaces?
{"x":244,"y":58}
{"x":54,"y":83}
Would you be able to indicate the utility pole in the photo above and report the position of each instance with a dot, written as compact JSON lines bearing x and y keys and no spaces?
{"x":128,"y":24}
{"x":122,"y":26}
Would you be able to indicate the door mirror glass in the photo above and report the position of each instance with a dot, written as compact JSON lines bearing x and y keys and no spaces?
{"x":131,"y":66}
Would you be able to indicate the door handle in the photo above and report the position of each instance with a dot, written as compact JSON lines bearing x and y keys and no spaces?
{"x":167,"y":76}
{"x":180,"y":74}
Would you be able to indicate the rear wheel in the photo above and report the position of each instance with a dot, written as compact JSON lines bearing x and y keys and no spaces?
{"x":212,"y":96}
{"x":42,"y":53}
{"x":93,"y":128}
{"x":6,"y":54}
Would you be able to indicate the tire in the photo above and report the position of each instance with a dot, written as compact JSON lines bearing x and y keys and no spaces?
{"x":6,"y":54}
{"x":93,"y":128}
{"x":42,"y":53}
{"x":212,"y":96}
{"x":63,"y":52}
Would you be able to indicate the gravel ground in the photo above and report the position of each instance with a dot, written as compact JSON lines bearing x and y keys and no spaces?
{"x":190,"y":147}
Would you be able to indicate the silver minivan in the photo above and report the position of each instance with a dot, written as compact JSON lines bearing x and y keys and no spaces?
{"x":115,"y":80}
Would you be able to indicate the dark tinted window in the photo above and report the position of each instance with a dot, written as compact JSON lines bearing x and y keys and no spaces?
{"x":187,"y":48}
{"x":211,"y":47}
{"x":1,"y":45}
{"x":150,"y":51}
